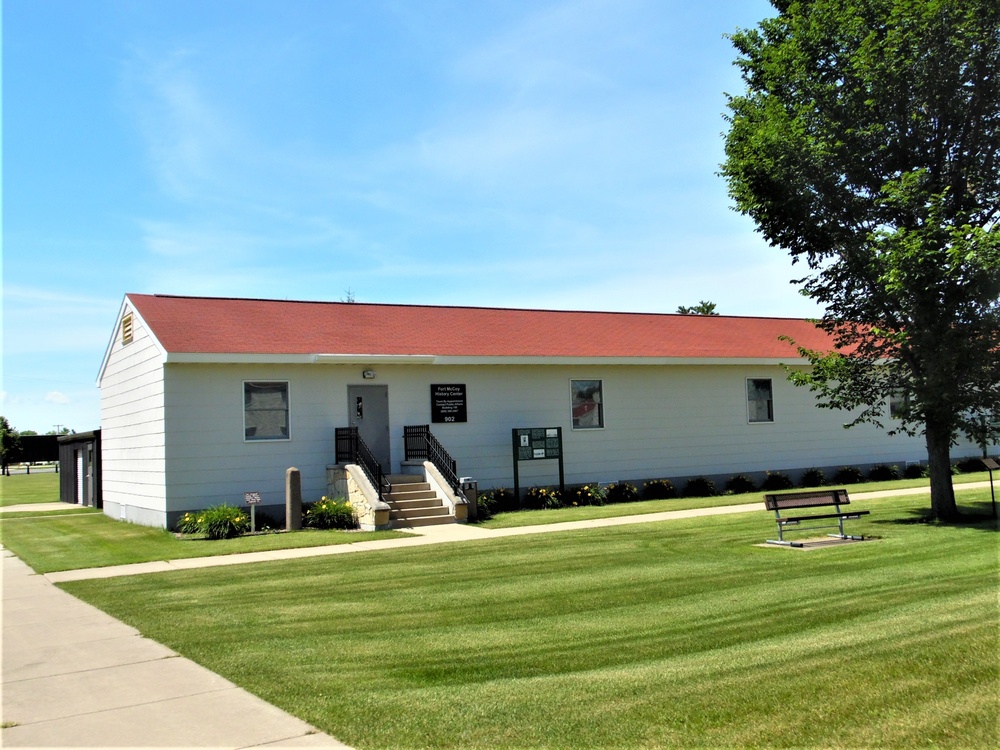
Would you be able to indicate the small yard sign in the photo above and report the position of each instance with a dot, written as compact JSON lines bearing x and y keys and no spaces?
{"x":253,"y":500}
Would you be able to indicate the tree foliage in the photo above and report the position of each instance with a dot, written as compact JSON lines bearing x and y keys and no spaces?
{"x":702,"y":308}
{"x":866,"y":145}
{"x":10,"y":444}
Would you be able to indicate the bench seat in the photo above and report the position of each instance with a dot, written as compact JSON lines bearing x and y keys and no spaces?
{"x":819,"y":499}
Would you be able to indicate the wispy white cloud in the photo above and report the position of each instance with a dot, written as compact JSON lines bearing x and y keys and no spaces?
{"x":40,"y":320}
{"x":57,"y":397}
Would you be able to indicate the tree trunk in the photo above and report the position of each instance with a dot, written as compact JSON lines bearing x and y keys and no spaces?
{"x":943,"y":506}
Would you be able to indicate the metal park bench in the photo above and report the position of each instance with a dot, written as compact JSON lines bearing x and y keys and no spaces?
{"x":818,"y":499}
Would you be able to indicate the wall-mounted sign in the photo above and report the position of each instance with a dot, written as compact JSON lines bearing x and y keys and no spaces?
{"x":448,"y":403}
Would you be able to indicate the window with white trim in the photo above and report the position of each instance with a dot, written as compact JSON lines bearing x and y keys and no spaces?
{"x":588,"y":403}
{"x":265,"y":410}
{"x":899,"y":403}
{"x":760,"y":400}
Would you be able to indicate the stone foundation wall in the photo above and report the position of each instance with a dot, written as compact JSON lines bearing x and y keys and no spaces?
{"x":350,"y":483}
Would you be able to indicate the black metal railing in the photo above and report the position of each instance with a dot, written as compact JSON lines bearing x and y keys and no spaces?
{"x":351,"y":449}
{"x":421,"y":445}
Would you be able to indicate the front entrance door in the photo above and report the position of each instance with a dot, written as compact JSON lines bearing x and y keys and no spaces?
{"x":368,"y":409}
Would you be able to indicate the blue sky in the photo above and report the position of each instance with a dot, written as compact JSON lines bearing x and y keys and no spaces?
{"x":548,"y":154}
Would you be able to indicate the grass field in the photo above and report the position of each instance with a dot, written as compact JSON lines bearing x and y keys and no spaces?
{"x":675,"y":634}
{"x":538,"y":517}
{"x":63,"y":541}
{"x":20,"y":489}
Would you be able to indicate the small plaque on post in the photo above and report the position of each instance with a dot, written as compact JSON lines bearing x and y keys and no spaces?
{"x":253,"y":500}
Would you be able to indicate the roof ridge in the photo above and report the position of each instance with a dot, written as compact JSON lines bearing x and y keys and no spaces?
{"x":460,"y":307}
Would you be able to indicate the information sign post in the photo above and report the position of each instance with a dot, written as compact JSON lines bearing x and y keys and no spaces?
{"x":990,"y":464}
{"x":535,"y":444}
{"x":253,"y":500}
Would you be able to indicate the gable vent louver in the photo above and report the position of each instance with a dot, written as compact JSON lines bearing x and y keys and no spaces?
{"x":127,"y":329}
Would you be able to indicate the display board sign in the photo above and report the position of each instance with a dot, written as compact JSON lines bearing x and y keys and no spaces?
{"x":538,"y":442}
{"x":535,"y":444}
{"x":448,"y":403}
{"x":251,"y":498}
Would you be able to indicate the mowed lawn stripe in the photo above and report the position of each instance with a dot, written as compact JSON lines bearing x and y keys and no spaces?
{"x":673,"y":634}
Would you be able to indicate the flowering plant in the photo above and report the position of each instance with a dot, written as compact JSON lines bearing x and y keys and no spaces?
{"x":330,"y":513}
{"x":542,"y":497}
{"x":588,"y":494}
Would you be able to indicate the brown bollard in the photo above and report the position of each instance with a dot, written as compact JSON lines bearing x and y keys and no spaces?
{"x":293,"y":499}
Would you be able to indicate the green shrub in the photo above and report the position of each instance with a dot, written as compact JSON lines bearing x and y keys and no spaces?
{"x":883,"y":473}
{"x":740,"y":485}
{"x":266,"y":522}
{"x":813,"y":478}
{"x":622,"y":492}
{"x":329,"y":513}
{"x":503,"y":500}
{"x":485,"y":506}
{"x":496,"y":500}
{"x":540,"y":498}
{"x":775,"y":480}
{"x":969,"y":465}
{"x":190,"y":523}
{"x":848,"y":475}
{"x":700,"y":487}
{"x":588,"y":494}
{"x":223,"y":522}
{"x":915,"y":471}
{"x":658,"y":489}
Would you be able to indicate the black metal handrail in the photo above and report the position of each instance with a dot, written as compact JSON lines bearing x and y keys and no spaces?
{"x":421,"y":445}
{"x":350,"y":448}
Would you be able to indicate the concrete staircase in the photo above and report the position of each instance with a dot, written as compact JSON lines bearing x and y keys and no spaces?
{"x":412,"y":502}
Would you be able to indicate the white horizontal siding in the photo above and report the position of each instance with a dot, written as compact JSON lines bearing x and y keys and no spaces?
{"x":132,"y":429}
{"x":662,"y":421}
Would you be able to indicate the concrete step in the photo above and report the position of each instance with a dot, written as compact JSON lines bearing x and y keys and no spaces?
{"x":405,"y":479}
{"x":428,"y":502}
{"x":424,"y":521}
{"x":401,"y":495}
{"x":414,"y":513}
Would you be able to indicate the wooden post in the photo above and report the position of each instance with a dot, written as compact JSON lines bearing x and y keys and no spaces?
{"x":293,"y":499}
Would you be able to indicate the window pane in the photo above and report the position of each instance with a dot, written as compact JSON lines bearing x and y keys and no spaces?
{"x":760,"y":404}
{"x":265,"y":411}
{"x":588,"y":403}
{"x":899,"y":404}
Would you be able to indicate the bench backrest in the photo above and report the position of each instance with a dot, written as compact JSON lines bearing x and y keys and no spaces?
{"x":809,"y":499}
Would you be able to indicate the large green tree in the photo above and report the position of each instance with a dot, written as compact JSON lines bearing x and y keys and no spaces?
{"x":866,"y":145}
{"x":10,"y":445}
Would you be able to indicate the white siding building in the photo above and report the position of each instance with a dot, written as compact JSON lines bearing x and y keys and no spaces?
{"x":205,"y":399}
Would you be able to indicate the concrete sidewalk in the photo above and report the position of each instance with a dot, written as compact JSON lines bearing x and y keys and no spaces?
{"x":74,"y":676}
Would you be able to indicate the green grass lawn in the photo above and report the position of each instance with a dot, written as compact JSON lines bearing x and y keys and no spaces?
{"x":60,"y":541}
{"x":19,"y":489}
{"x":538,"y":517}
{"x":673,"y":634}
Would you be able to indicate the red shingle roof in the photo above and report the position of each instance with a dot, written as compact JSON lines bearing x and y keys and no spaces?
{"x":198,"y":325}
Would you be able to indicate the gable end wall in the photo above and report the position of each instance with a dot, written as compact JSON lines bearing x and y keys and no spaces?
{"x":132,"y":425}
